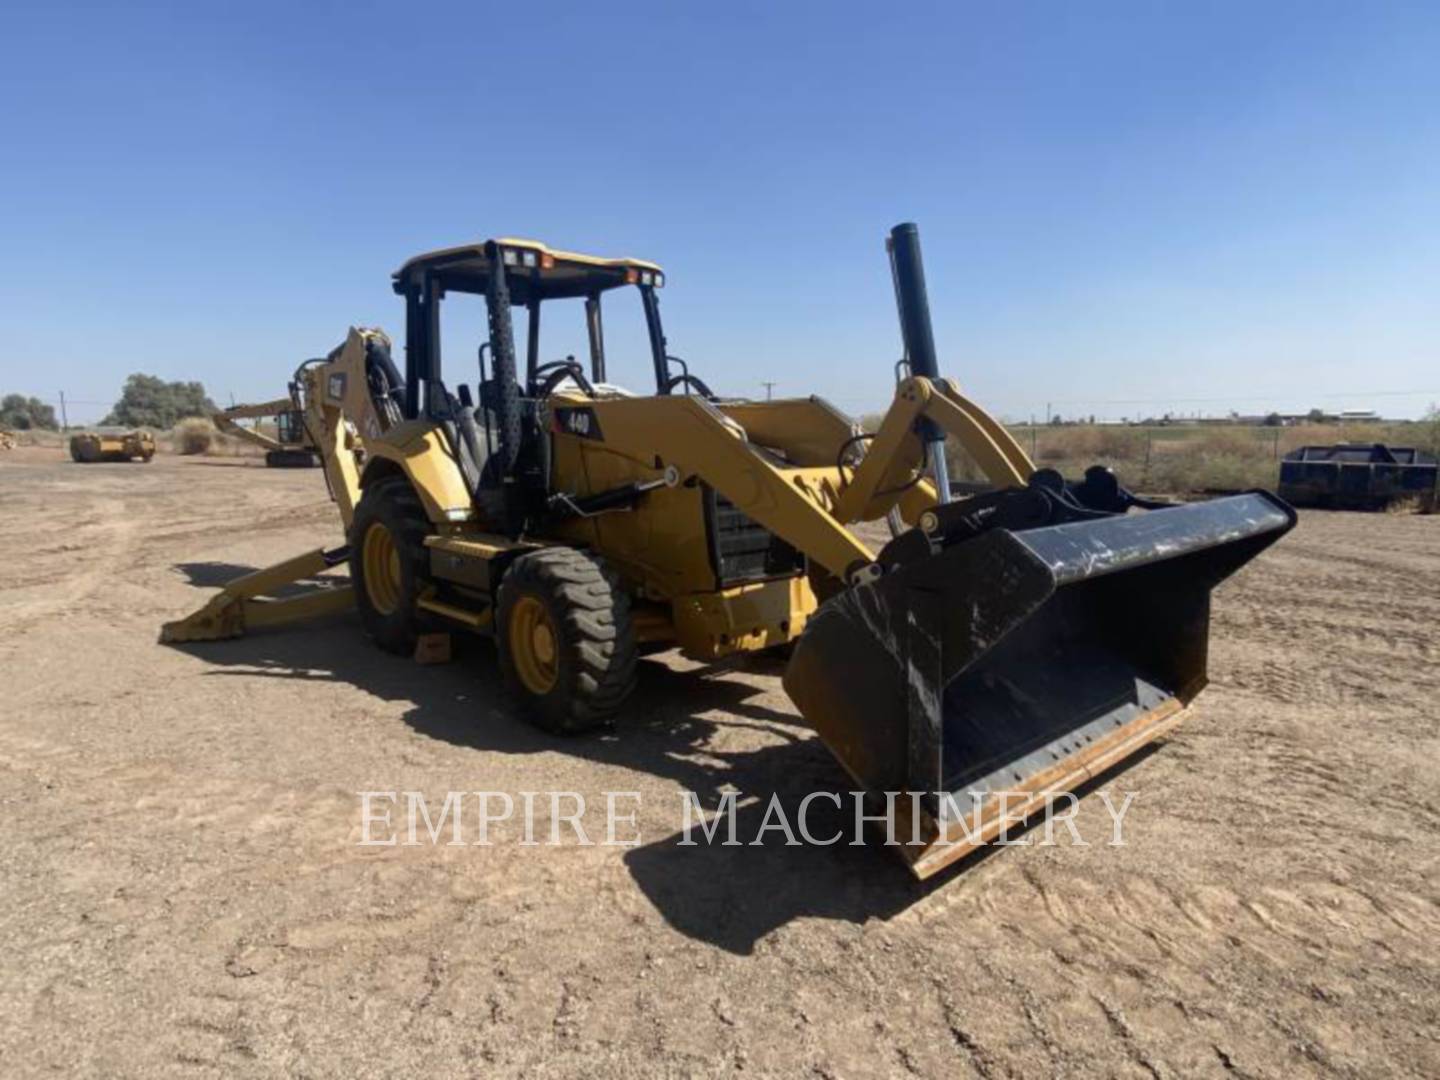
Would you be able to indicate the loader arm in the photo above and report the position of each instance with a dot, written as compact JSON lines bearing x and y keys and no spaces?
{"x":695,"y":437}
{"x":894,"y":454}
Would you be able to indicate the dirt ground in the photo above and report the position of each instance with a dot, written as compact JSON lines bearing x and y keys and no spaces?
{"x":182,"y":891}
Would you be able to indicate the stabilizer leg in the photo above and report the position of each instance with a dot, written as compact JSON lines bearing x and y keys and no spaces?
{"x":246,"y":604}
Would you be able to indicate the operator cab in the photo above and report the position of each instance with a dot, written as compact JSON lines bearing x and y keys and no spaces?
{"x":498,"y":435}
{"x":515,"y":274}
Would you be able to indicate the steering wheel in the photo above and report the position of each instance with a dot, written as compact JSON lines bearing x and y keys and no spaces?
{"x":693,"y":381}
{"x":559,"y":371}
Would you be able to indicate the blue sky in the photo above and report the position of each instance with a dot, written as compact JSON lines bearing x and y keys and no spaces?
{"x":1125,"y":208}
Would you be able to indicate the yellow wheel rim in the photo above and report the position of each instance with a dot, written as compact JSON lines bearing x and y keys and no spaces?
{"x":381,"y":559}
{"x":534,"y":645}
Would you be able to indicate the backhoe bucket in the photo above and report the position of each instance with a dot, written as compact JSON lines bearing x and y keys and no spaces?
{"x":1014,"y":666}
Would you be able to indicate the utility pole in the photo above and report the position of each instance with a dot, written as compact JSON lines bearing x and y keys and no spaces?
{"x":769,"y":388}
{"x":64,"y":418}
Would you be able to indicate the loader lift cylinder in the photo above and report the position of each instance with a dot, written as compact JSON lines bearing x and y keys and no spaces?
{"x":919,"y":337}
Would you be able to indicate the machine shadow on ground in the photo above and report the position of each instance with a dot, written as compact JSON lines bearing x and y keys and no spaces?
{"x":214,"y":575}
{"x":675,"y":729}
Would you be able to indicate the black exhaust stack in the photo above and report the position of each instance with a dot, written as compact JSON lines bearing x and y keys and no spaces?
{"x":908,"y":270}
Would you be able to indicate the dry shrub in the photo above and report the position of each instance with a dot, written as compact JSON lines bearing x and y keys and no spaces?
{"x":1430,"y":430}
{"x":963,"y":467}
{"x":1091,"y":444}
{"x":1052,"y":452}
{"x":40,"y":437}
{"x":195,"y":435}
{"x":1192,"y":472}
{"x":1423,"y":503}
{"x":1238,"y":442}
{"x":1119,"y":444}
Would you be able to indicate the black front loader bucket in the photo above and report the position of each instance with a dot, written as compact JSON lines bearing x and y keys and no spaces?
{"x":1020,"y":664}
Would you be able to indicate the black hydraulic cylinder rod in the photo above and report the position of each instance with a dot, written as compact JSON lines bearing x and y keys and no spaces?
{"x":913,"y":301}
{"x":914,"y":304}
{"x":619,"y":498}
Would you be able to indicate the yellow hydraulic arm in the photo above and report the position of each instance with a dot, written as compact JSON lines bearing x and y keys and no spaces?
{"x":244,"y":604}
{"x":225,"y":421}
{"x":338,"y":414}
{"x":894,"y":452}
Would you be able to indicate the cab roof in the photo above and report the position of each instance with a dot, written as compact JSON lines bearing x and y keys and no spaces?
{"x":533,"y":271}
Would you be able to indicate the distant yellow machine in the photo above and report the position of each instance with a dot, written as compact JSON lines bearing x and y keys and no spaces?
{"x":997,"y":650}
{"x":291,"y":447}
{"x":91,"y":446}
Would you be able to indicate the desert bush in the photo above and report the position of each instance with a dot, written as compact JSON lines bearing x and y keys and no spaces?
{"x":1236,"y":442}
{"x":193,"y":436}
{"x":40,"y":437}
{"x":1431,"y":429}
{"x":1091,"y":444}
{"x":1182,"y":474}
{"x":1051,"y":452}
{"x":963,"y":467}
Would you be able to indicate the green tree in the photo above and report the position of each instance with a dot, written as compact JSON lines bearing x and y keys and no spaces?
{"x":23,"y":414}
{"x":148,"y":401}
{"x":1432,"y":429}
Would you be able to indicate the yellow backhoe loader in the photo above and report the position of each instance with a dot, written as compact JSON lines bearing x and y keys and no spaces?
{"x":997,"y":650}
{"x":290,"y":447}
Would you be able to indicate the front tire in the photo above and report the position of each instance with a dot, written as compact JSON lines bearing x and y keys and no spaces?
{"x":388,"y":563}
{"x":567,"y":646}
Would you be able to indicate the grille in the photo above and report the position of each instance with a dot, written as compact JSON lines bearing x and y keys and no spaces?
{"x":743,"y":550}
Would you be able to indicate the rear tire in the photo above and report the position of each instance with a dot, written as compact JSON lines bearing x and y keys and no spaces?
{"x":389,"y":563}
{"x":567,"y":645}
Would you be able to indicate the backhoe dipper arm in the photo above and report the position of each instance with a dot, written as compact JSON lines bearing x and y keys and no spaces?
{"x":876,"y":486}
{"x":337,"y":413}
{"x":225,"y":421}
